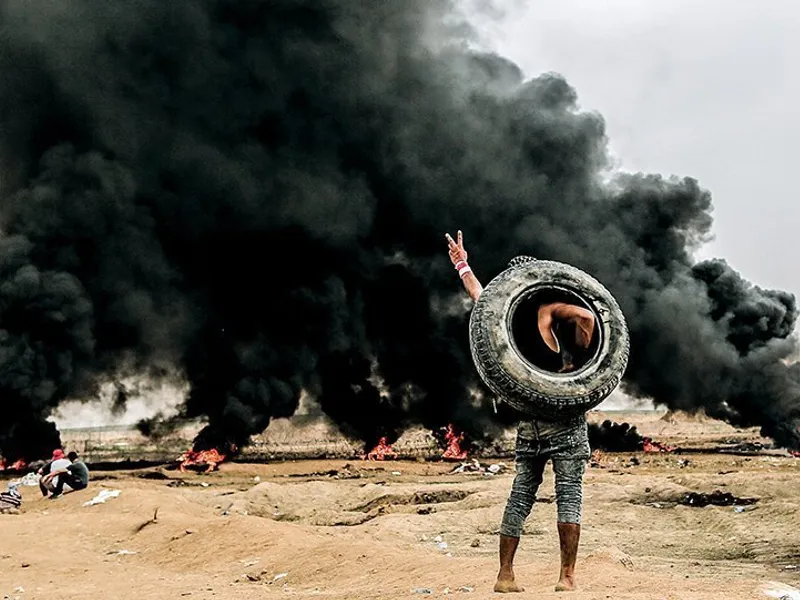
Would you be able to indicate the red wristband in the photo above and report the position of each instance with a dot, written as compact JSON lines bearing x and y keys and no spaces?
{"x":460,"y":265}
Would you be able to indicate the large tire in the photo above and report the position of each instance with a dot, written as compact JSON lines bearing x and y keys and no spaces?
{"x":529,"y":389}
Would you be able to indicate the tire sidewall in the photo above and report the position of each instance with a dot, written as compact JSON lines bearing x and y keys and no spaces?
{"x":518,"y":382}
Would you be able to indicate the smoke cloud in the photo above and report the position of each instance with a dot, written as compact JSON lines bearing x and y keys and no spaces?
{"x":252,"y":196}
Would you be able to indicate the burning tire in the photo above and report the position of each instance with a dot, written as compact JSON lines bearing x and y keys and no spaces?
{"x":513,"y":360}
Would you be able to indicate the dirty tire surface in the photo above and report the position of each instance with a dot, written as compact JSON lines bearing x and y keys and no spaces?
{"x":516,"y":381}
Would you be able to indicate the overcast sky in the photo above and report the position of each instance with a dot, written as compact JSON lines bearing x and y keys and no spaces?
{"x":707,"y":89}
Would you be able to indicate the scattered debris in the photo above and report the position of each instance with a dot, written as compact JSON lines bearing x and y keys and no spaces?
{"x":345,"y":472}
{"x":717,"y":498}
{"x":421,"y":591}
{"x":781,"y":591}
{"x":596,"y":460}
{"x":29,"y":480}
{"x":157,"y":475}
{"x":279,"y":576}
{"x":466,"y":589}
{"x":102,"y":497}
{"x":475,"y":466}
{"x":148,"y":522}
{"x":122,"y":552}
{"x":750,"y":447}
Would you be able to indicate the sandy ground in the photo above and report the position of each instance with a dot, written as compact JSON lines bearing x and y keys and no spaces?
{"x":372,"y":530}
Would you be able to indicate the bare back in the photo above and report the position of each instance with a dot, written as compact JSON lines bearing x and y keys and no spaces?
{"x":549,"y":314}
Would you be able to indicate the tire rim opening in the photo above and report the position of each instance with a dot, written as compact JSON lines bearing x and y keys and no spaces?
{"x":523,"y":324}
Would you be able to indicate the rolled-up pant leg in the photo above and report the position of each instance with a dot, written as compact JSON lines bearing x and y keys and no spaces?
{"x":569,"y":488}
{"x":523,"y":494}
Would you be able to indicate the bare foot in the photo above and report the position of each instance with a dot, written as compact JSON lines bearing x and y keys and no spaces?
{"x":506,"y":584}
{"x":565,"y":584}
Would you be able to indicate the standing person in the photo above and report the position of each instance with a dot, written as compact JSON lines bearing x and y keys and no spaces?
{"x":565,"y":443}
{"x":57,"y":463}
{"x":75,"y":475}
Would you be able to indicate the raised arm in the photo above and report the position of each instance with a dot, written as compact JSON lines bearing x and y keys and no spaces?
{"x":458,"y":256}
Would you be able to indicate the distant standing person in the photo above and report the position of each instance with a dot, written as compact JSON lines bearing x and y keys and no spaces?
{"x":75,"y":475}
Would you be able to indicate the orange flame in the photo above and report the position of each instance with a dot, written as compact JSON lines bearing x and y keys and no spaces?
{"x":650,"y":445}
{"x":17,"y":465}
{"x":453,"y":450}
{"x":381,"y":452}
{"x":210,"y":458}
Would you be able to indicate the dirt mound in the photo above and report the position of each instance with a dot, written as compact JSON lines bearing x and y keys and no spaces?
{"x":328,"y":504}
{"x":610,"y":556}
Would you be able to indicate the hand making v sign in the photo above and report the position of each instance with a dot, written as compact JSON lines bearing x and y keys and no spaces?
{"x":458,"y":256}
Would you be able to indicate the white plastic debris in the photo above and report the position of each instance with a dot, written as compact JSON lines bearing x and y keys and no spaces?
{"x":125,"y":552}
{"x":256,"y":478}
{"x":421,"y":591}
{"x":396,"y":473}
{"x":30,"y":480}
{"x":494,"y":468}
{"x":437,"y":539}
{"x":102,"y":497}
{"x":279,"y":576}
{"x":466,"y":589}
{"x":781,"y":591}
{"x":442,"y":545}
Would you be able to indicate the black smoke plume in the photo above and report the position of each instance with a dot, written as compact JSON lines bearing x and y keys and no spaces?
{"x":252,"y":196}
